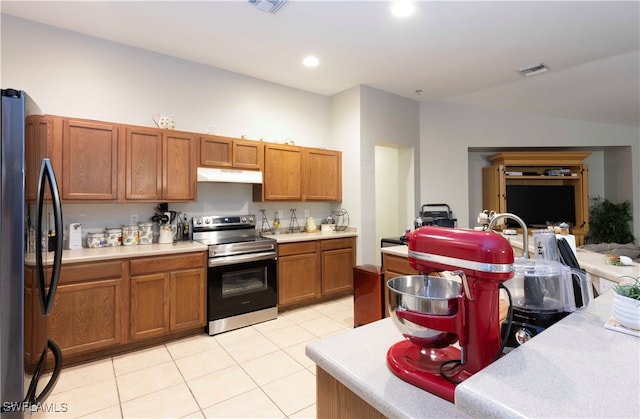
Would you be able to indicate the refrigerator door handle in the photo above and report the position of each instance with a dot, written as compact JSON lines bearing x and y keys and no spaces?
{"x":36,"y":399}
{"x":46,"y":173}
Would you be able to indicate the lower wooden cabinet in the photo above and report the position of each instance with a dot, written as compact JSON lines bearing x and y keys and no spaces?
{"x":104,"y":308}
{"x":167,"y":294}
{"x":87,"y":314}
{"x":310,"y":271}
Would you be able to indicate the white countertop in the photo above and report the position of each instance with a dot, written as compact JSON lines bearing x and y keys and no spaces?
{"x":357,"y":358}
{"x":576,"y":368}
{"x":320,"y":235}
{"x":120,"y":252}
{"x":400,"y":250}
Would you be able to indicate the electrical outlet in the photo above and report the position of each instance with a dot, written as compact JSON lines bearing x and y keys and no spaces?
{"x":306,"y":213}
{"x":279,"y":214}
{"x":133,"y":218}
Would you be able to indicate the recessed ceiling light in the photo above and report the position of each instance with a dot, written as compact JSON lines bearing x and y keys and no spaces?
{"x":310,"y":61}
{"x":402,"y":8}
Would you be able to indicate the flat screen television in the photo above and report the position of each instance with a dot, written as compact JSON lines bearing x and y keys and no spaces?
{"x":538,"y":205}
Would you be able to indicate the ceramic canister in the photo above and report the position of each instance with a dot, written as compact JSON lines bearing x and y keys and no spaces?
{"x":113,"y":236}
{"x":146,"y":233}
{"x":130,"y":235}
{"x":96,"y":240}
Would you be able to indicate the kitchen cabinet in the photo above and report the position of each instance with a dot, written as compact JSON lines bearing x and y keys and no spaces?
{"x":298,"y":273}
{"x":88,"y":311}
{"x":160,"y":165}
{"x":311,"y":271}
{"x":226,"y":152}
{"x":300,"y":174}
{"x":38,"y":145}
{"x":90,"y":151}
{"x":167,"y":295}
{"x":323,"y":175}
{"x":283,"y":174}
{"x":338,"y":259}
{"x":528,"y":168}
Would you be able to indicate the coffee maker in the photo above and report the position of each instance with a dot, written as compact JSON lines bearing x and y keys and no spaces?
{"x":433,"y":312}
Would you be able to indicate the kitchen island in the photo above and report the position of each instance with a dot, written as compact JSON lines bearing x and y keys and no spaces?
{"x":575,"y":368}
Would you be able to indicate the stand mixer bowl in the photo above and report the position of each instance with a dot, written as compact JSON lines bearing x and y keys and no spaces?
{"x":423,"y":294}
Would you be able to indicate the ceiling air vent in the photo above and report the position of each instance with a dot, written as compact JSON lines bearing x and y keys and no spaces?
{"x":270,"y":6}
{"x":533,"y":70}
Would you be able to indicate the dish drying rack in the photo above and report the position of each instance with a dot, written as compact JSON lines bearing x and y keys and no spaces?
{"x":341,"y":219}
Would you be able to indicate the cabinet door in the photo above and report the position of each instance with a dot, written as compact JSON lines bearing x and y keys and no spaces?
{"x":88,"y":308}
{"x":143,"y":163}
{"x":150,"y":301}
{"x":179,"y":166}
{"x":494,"y":188}
{"x":248,"y":155}
{"x":282,"y":173}
{"x":187,"y":299}
{"x":89,"y":160}
{"x":298,"y":279}
{"x":323,"y":175}
{"x":216,"y":151}
{"x":337,"y":271}
{"x":37,"y":146}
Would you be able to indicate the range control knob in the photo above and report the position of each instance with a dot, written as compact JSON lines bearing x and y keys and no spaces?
{"x":250,"y":219}
{"x":243,"y":219}
{"x":207,"y":221}
{"x":199,"y":221}
{"x":522,"y":335}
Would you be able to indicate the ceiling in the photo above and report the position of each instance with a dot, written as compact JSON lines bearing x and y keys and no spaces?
{"x":454,"y":51}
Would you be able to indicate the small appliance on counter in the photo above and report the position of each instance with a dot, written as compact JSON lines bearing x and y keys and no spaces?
{"x":440,"y":217}
{"x":73,"y":236}
{"x":434,"y":312}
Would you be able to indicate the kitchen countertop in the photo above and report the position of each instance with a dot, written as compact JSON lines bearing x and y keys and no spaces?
{"x":576,"y":368}
{"x":357,"y":358}
{"x":121,"y":252}
{"x":320,"y":235}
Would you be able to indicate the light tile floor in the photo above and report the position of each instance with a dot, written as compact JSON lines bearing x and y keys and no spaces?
{"x":259,"y":371}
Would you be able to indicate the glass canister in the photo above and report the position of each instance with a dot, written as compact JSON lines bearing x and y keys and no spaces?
{"x":130,"y":235}
{"x":146,"y":233}
{"x":113,"y":236}
{"x":96,"y":240}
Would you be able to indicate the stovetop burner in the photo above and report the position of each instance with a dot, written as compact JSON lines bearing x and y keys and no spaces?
{"x":230,"y":235}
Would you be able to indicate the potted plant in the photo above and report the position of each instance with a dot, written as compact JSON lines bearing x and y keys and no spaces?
{"x":626,"y":303}
{"x":609,"y":222}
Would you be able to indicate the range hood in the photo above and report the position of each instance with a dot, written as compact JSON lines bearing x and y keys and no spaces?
{"x":207,"y":174}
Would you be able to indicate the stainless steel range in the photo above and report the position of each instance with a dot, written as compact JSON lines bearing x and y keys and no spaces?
{"x":242,"y":272}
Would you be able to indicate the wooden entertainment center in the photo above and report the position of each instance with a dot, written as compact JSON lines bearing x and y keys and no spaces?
{"x":539,"y":168}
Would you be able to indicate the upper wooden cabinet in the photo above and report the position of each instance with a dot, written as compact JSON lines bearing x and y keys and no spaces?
{"x":283,"y":174}
{"x":300,"y":174}
{"x":217,"y":151}
{"x":89,"y":161}
{"x":160,"y":165}
{"x":528,"y":169}
{"x":323,"y":175}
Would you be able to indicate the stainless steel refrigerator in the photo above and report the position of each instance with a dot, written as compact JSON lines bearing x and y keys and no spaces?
{"x":20,"y":388}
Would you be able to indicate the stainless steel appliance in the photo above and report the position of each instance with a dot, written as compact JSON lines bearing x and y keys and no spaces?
{"x":16,"y":106}
{"x":242,"y":272}
{"x":441,"y":217}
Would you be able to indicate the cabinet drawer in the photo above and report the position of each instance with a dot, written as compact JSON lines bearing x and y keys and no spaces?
{"x":166,"y":263}
{"x":298,"y":248}
{"x":85,"y":272}
{"x":398,"y":264}
{"x":331,"y":244}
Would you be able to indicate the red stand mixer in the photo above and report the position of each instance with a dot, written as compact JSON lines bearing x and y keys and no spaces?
{"x":433,"y":312}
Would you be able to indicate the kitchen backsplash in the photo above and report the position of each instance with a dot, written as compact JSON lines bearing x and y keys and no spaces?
{"x":213,"y":198}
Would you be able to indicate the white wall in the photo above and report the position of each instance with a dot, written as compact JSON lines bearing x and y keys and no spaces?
{"x":75,"y":75}
{"x":448,"y":131}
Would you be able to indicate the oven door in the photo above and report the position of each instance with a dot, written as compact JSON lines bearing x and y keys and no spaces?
{"x":240,"y":285}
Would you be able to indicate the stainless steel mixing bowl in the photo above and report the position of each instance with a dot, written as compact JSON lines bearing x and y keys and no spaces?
{"x":432,"y":295}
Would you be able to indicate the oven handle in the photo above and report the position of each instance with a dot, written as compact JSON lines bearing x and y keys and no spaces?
{"x":250,"y":257}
